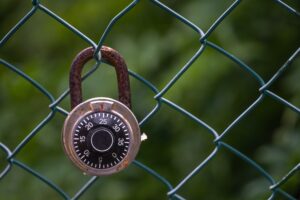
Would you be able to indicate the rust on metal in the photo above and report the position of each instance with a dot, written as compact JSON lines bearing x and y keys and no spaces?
{"x":111,"y":57}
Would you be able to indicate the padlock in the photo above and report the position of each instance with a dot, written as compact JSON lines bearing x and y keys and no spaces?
{"x":101,"y":135}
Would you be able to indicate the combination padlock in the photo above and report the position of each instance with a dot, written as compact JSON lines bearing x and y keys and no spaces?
{"x":101,"y":135}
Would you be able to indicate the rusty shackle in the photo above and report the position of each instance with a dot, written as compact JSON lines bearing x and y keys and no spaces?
{"x":111,"y":57}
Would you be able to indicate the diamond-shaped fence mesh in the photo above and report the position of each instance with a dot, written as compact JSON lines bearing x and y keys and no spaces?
{"x":275,"y":185}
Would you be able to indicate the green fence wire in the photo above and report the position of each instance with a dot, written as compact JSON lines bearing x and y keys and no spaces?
{"x":274,"y":186}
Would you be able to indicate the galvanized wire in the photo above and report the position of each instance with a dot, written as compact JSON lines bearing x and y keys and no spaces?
{"x":274,"y":185}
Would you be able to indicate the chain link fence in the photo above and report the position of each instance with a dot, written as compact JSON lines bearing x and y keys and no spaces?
{"x":275,"y":186}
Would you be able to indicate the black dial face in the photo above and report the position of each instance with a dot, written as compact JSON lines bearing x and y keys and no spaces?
{"x":101,"y":140}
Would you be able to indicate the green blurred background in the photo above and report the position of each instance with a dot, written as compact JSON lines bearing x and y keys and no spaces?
{"x":156,"y":45}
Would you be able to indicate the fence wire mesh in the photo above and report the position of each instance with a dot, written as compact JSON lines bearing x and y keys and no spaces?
{"x":55,"y":109}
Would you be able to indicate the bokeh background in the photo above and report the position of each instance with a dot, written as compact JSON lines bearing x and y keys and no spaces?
{"x":156,"y":45}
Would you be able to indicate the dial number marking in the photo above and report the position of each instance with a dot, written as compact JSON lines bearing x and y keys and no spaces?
{"x":82,"y":138}
{"x":116,"y":128}
{"x":89,"y":125}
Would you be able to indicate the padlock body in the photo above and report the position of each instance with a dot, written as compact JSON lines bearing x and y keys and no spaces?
{"x":101,"y":136}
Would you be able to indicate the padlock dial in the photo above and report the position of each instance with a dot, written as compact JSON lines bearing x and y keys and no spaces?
{"x":101,"y":140}
{"x":101,"y":136}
